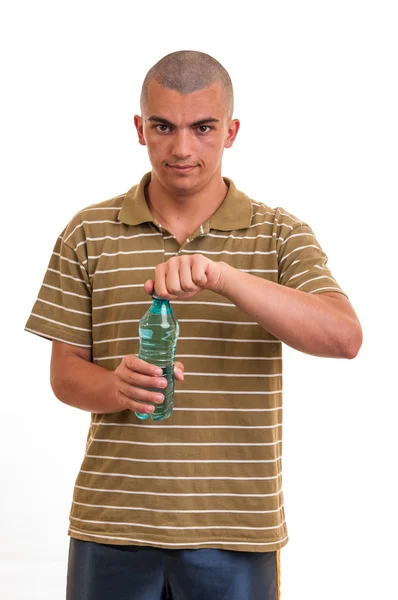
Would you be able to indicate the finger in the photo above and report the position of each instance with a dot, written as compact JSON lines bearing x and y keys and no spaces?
{"x":179,"y":370}
{"x":198,"y":269}
{"x":178,"y":373}
{"x":130,"y":404}
{"x":144,"y":381}
{"x":160,"y":281}
{"x":149,"y":287}
{"x":141,"y":366}
{"x":185,"y":274}
{"x":136,"y":393}
{"x":172,"y":277}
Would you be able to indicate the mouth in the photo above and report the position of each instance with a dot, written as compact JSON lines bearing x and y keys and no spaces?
{"x":182,"y":168}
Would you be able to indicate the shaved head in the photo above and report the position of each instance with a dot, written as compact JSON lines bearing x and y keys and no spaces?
{"x":188,"y":71}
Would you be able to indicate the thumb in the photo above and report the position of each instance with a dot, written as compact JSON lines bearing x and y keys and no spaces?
{"x":179,"y":370}
{"x":149,"y":286}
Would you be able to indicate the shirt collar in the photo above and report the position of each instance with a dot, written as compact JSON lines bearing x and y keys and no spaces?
{"x":235,"y":212}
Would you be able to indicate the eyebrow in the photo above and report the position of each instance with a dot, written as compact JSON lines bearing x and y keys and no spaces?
{"x":195,"y":124}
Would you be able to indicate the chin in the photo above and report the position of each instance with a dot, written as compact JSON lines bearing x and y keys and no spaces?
{"x":183,"y":186}
{"x":182,"y":178}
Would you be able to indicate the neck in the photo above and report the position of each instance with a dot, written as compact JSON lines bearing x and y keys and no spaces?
{"x":184,"y":212}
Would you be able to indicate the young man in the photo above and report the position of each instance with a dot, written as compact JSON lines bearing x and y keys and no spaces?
{"x":194,"y":501}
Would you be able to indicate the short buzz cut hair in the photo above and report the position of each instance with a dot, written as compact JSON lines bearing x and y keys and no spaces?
{"x":187,"y":71}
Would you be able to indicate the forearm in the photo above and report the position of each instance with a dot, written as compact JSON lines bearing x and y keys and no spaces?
{"x":82,"y":384}
{"x":311,"y":323}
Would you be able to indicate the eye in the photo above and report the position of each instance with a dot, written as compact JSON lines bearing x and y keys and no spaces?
{"x":165,"y":128}
{"x":204,"y":129}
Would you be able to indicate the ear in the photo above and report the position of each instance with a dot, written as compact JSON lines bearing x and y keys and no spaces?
{"x":138,"y":122}
{"x":233,"y":129}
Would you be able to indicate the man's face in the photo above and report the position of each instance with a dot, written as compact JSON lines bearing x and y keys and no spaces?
{"x":186,"y":135}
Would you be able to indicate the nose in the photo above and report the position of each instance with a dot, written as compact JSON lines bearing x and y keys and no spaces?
{"x":181,"y":145}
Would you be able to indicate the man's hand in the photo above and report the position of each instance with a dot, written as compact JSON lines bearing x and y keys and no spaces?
{"x":78,"y":382}
{"x":185,"y":276}
{"x":133,"y":375}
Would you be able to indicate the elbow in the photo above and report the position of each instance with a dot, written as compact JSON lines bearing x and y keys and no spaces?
{"x":55,"y":385}
{"x":353,"y":342}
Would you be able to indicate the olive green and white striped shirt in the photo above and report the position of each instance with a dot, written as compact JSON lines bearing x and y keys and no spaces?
{"x":210,"y":475}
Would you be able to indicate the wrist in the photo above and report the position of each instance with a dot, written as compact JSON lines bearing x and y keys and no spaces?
{"x":226,"y":273}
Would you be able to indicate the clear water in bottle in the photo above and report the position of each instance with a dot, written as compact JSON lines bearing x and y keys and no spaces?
{"x":158,"y":331}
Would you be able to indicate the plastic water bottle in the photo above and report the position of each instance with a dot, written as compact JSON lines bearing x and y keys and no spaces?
{"x":158,"y":330}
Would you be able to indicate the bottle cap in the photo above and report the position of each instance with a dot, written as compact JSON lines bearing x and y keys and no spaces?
{"x":155,"y":296}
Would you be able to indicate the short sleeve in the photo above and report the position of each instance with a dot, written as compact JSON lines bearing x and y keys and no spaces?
{"x":302,"y":264}
{"x":62,"y":310}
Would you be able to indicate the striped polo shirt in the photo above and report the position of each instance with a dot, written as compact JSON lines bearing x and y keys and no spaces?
{"x":210,"y":475}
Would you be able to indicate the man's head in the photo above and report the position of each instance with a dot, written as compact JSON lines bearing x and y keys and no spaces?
{"x":188,"y":71}
{"x":186,"y":119}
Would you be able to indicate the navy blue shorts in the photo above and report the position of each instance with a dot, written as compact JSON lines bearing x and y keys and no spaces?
{"x":115,"y":572}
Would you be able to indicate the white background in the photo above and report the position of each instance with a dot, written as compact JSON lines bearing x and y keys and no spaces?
{"x":316,"y":91}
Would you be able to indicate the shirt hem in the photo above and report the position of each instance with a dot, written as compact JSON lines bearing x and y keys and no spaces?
{"x":52,"y":332}
{"x":242,"y":546}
